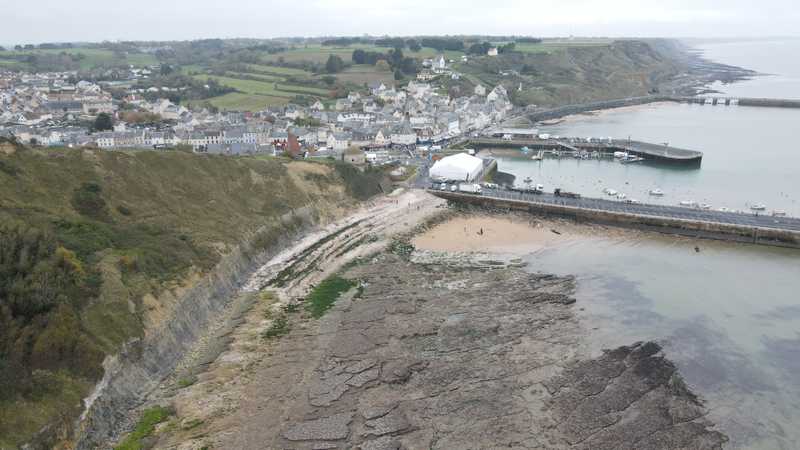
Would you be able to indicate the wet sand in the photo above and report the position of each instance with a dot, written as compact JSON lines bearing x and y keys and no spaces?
{"x":490,"y":234}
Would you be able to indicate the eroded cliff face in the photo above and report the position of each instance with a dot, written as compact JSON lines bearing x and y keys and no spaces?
{"x":184,"y":315}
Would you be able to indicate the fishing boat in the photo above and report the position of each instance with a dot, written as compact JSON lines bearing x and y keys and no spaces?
{"x":689,"y":203}
{"x":779,"y":213}
{"x":656,"y":192}
{"x":758,"y":207}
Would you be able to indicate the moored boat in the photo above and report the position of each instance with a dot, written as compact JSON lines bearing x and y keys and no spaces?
{"x":656,"y":192}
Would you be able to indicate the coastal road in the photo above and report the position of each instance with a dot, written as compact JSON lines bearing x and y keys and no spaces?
{"x":672,"y":212}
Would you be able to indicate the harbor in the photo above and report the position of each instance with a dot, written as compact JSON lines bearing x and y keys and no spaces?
{"x":653,"y":152}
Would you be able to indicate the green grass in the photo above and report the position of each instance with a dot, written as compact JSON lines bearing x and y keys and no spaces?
{"x":56,"y":395}
{"x":319,"y":54}
{"x":280,"y":327}
{"x":94,"y":57}
{"x":257,"y":76}
{"x":264,"y":87}
{"x":325,"y":295}
{"x":146,"y":426}
{"x":278,"y":70}
{"x":183,"y":212}
{"x":243,"y":102}
{"x":364,"y":74}
{"x":255,"y":95}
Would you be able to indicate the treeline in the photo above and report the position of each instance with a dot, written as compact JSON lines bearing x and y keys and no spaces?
{"x":394,"y":59}
{"x":44,"y":46}
{"x":483,"y":47}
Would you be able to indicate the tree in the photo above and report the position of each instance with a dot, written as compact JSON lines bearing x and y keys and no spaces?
{"x":409,"y":66}
{"x":359,"y":56}
{"x":18,"y":48}
{"x":413,"y":45}
{"x":166,"y":69}
{"x":334,"y":64}
{"x":395,"y":57}
{"x":398,"y":75}
{"x":103,"y":122}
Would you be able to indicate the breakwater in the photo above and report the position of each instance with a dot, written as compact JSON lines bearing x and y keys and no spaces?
{"x":753,"y":229}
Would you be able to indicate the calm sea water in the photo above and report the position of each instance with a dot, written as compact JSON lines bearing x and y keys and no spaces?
{"x":728,"y":315}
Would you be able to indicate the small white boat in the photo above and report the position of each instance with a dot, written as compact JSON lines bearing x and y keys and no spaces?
{"x":705,"y":206}
{"x":690,"y":203}
{"x":611,"y":192}
{"x":724,"y":209}
{"x":758,"y":207}
{"x":779,"y":213}
{"x":656,"y":192}
{"x":538,"y":157}
{"x":621,"y":196}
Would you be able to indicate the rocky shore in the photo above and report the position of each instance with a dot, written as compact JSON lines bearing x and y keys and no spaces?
{"x":428,"y":350}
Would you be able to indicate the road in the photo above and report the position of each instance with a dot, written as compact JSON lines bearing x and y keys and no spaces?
{"x":671,"y":212}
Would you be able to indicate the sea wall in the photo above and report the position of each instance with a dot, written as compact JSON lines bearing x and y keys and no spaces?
{"x":137,"y":370}
{"x":699,"y":229}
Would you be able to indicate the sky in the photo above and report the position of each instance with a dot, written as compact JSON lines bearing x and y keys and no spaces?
{"x":37,"y":21}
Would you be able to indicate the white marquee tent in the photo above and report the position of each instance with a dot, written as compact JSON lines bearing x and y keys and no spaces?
{"x":459,"y":167}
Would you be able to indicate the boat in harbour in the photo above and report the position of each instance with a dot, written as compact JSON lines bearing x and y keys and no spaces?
{"x":779,"y":213}
{"x":758,"y":207}
{"x":656,"y":192}
{"x":688,"y":203}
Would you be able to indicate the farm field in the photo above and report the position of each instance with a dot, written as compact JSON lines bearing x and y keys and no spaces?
{"x":364,"y":74}
{"x":243,"y":102}
{"x":261,"y":91}
{"x":319,"y":53}
{"x":94,"y":57}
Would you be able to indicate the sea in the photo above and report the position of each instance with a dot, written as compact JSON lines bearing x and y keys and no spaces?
{"x":727,"y":314}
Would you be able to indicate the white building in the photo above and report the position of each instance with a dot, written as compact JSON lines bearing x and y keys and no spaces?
{"x":459,"y":167}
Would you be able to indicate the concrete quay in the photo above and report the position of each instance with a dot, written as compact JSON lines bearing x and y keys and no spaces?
{"x":706,"y":224}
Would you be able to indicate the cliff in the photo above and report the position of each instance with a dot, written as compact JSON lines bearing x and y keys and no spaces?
{"x":111,"y":263}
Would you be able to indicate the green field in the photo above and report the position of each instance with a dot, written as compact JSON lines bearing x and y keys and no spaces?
{"x":243,"y":102}
{"x":319,"y":54}
{"x":555,"y":45}
{"x":278,"y":70}
{"x":255,"y":95}
{"x":94,"y":57}
{"x":364,"y":74}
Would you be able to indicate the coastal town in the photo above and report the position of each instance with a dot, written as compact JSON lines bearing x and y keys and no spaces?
{"x":371,"y":123}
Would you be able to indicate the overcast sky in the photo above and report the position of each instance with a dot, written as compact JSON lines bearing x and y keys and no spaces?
{"x":37,"y":21}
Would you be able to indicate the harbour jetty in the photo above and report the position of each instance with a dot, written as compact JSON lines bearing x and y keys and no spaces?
{"x":749,"y":228}
{"x":653,"y":152}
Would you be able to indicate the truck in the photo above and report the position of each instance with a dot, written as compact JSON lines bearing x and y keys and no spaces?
{"x":470,"y":188}
{"x":559,"y":193}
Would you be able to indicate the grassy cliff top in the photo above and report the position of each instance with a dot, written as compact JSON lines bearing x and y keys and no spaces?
{"x":87,"y":235}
